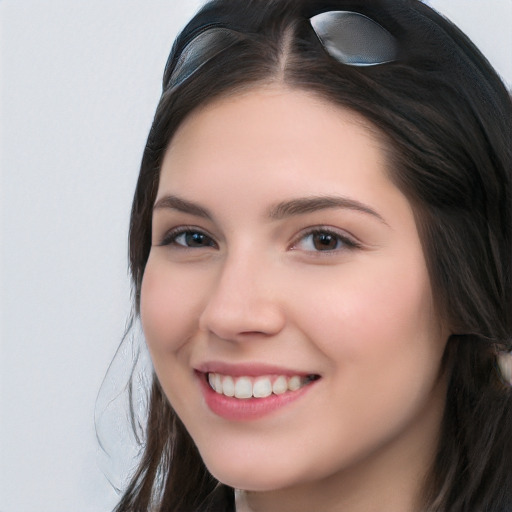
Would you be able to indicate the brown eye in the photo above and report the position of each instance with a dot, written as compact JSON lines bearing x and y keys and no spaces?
{"x":325,"y":241}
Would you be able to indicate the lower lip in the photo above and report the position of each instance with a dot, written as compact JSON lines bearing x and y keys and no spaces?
{"x":247,"y":409}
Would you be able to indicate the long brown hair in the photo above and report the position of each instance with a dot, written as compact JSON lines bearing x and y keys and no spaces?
{"x":446,"y":118}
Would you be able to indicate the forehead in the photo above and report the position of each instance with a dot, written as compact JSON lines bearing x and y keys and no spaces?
{"x":271,"y":120}
{"x":279,"y":106}
{"x":272,"y":143}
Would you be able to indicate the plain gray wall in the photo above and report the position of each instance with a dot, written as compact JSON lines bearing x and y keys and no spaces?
{"x":79,"y":84}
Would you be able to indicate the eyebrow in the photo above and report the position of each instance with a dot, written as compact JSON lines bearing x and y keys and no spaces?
{"x":182,"y":205}
{"x":292,"y":207}
{"x":304,"y":205}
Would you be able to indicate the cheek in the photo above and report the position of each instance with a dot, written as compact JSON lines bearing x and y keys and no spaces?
{"x":168,"y":304}
{"x":167,"y":307}
{"x":384,"y":348}
{"x":376,"y":315}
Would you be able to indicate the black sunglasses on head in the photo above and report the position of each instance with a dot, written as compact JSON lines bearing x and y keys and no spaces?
{"x":349,"y":37}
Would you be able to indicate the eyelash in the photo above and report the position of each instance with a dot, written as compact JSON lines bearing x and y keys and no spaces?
{"x":345,"y":241}
{"x":171,"y":237}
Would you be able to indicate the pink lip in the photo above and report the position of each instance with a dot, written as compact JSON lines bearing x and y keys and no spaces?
{"x":247,"y":369}
{"x":249,"y":409}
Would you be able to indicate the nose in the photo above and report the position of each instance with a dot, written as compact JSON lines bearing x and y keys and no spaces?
{"x":243,"y":301}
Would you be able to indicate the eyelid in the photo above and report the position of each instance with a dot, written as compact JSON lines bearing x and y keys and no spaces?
{"x":349,"y":241}
{"x":170,"y":236}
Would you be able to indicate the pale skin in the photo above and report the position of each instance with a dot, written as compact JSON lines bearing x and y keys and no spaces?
{"x":256,"y":286}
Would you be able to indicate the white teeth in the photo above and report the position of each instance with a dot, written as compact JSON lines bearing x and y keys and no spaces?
{"x":294,"y":383}
{"x":218,"y":383}
{"x":280,"y":385}
{"x":228,"y":386}
{"x":211,"y":380}
{"x":262,"y":387}
{"x":243,"y":388}
{"x":259,"y":387}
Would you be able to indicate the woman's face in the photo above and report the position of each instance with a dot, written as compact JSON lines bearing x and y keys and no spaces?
{"x":286,"y":264}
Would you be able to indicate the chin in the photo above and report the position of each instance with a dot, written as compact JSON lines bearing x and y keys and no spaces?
{"x":249,"y":478}
{"x":245,"y":480}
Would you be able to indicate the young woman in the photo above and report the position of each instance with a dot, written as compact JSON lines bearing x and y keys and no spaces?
{"x":321,"y":251}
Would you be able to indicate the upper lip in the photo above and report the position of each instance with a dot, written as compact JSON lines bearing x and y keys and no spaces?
{"x":248,"y":369}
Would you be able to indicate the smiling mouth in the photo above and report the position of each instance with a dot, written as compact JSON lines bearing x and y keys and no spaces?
{"x":257,"y":387}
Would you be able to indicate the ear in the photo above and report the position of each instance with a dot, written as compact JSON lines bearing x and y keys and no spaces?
{"x":504,"y":360}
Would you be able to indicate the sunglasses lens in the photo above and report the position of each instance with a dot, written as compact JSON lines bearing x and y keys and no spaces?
{"x":200,"y":50}
{"x":354,"y":39}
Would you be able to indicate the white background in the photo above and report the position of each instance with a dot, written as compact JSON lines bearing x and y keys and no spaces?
{"x":79,"y":84}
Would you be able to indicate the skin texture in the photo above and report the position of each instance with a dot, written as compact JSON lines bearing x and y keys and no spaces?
{"x":256,"y":289}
